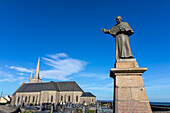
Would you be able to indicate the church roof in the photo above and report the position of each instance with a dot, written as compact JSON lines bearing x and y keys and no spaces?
{"x":87,"y":94}
{"x":50,"y":86}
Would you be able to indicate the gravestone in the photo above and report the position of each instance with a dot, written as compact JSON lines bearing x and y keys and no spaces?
{"x":129,"y":91}
{"x":84,"y":109}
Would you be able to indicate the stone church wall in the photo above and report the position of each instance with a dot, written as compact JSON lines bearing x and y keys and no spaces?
{"x":88,"y":100}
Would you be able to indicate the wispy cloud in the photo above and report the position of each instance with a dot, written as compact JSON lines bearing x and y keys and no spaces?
{"x":21,"y":69}
{"x":6,"y":77}
{"x":5,"y":74}
{"x":21,"y":73}
{"x":58,"y":55}
{"x":98,"y":75}
{"x":158,"y":84}
{"x":62,"y":66}
{"x":104,"y":87}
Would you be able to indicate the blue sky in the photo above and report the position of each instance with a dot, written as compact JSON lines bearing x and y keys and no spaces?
{"x":67,"y":35}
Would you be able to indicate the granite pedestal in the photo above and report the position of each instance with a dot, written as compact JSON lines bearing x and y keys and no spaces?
{"x":129,"y":91}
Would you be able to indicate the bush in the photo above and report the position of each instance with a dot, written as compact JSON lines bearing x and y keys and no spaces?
{"x":90,"y":111}
{"x":79,"y":110}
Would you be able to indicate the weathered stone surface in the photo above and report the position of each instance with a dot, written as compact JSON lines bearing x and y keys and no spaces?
{"x":129,"y":81}
{"x":133,"y":107}
{"x":129,"y":92}
{"x":88,"y":100}
{"x":139,"y":94}
{"x":126,"y":71}
{"x":124,"y":94}
{"x":126,"y":60}
{"x":9,"y":109}
{"x":126,"y":63}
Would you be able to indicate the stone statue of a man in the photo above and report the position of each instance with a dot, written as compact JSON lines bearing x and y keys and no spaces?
{"x":121,"y":31}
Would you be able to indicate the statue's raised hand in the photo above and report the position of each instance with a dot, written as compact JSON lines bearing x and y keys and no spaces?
{"x":103,"y":29}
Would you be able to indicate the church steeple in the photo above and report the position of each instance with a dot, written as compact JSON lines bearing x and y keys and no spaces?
{"x":36,"y":76}
{"x":30,"y":76}
{"x":41,"y":76}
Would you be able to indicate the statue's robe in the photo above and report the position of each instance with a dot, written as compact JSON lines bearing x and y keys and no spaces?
{"x":121,"y":32}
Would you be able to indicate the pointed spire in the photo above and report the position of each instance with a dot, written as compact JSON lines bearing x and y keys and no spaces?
{"x":36,"y":76}
{"x":41,"y":76}
{"x":31,"y":76}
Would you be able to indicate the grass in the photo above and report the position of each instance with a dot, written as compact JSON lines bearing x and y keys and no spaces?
{"x":87,"y":111}
{"x":90,"y":111}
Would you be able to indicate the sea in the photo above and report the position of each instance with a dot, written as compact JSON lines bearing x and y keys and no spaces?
{"x":160,"y":103}
{"x":151,"y":103}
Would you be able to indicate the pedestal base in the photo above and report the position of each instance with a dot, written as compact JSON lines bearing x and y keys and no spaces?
{"x":129,"y":92}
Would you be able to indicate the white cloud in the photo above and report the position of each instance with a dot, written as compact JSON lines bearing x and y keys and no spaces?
{"x":159,"y":86}
{"x":62,"y":66}
{"x":6,"y":77}
{"x":104,"y":87}
{"x":7,"y":80}
{"x":96,"y":75}
{"x":5,"y":74}
{"x":21,"y":73}
{"x":58,"y":56}
{"x":21,"y":69}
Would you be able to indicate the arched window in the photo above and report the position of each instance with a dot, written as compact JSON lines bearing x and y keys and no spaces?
{"x":33,"y":99}
{"x":22,"y":98}
{"x":76,"y":98}
{"x":92,"y":100}
{"x":29,"y":99}
{"x":18,"y":99}
{"x":61,"y":98}
{"x":36,"y":99}
{"x":68,"y":98}
{"x":52,"y":98}
{"x":26,"y":99}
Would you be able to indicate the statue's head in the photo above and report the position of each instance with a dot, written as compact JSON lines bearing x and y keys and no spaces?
{"x":118,"y":19}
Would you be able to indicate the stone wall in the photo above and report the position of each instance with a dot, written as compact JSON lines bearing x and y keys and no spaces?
{"x":37,"y":98}
{"x":27,"y":98}
{"x":49,"y":97}
{"x":88,"y":100}
{"x":73,"y":95}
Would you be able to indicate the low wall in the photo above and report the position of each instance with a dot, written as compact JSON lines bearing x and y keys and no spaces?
{"x":9,"y":109}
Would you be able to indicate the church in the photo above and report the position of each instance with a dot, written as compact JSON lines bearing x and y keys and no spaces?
{"x":37,"y":92}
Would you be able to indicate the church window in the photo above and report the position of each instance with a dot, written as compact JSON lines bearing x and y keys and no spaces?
{"x":22,"y":99}
{"x":18,"y":99}
{"x":36,"y":99}
{"x":33,"y":99}
{"x":52,"y":98}
{"x":68,"y":98}
{"x":29,"y":99}
{"x":61,"y":98}
{"x":92,"y":100}
{"x":26,"y":99}
{"x":76,"y":98}
{"x":39,"y":100}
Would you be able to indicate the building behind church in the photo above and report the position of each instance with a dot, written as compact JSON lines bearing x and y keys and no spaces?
{"x":37,"y":92}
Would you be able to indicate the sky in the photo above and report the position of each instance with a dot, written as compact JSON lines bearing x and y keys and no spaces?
{"x":67,"y":36}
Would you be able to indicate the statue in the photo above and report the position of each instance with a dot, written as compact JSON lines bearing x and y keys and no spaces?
{"x":121,"y":31}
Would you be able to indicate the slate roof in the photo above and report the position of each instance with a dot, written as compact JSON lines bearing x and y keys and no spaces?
{"x":50,"y":86}
{"x":87,"y":94}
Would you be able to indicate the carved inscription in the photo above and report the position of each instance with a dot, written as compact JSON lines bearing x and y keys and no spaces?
{"x":133,"y":107}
